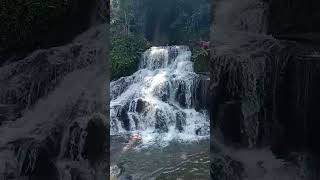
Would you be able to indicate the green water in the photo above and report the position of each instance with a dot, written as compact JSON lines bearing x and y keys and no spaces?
{"x":177,"y":161}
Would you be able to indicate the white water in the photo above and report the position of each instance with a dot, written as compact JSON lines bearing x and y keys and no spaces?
{"x":158,"y":101}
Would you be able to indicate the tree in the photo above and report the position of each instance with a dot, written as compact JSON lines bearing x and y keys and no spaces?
{"x":121,"y":16}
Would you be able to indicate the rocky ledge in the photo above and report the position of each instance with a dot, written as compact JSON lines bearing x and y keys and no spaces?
{"x":59,"y":128}
{"x":264,"y":94}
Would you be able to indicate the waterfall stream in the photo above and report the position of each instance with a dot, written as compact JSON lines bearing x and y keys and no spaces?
{"x":161,"y":101}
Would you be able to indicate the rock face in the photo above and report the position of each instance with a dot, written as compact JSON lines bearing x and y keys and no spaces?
{"x":224,"y":167}
{"x":59,"y":95}
{"x":25,"y":81}
{"x":264,"y":90}
{"x":267,"y":96}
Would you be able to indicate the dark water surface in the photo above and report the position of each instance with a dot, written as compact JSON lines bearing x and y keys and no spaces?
{"x":177,"y":161}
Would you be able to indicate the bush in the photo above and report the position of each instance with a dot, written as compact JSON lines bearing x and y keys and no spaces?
{"x":125,"y":54}
{"x":201,"y":59}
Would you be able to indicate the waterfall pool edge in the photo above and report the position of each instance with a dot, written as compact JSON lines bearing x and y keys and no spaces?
{"x":178,"y":160}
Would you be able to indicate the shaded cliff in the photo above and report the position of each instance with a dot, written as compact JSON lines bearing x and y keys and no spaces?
{"x":270,"y":92}
{"x":60,"y":97}
{"x":264,"y":91}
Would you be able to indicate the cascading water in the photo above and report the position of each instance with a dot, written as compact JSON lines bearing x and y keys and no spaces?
{"x":160,"y":101}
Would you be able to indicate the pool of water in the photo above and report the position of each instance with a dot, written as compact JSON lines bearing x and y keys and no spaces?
{"x":176,"y":161}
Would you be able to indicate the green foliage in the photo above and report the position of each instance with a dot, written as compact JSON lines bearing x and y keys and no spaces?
{"x":165,"y":22}
{"x":122,"y":17}
{"x":125,"y":54}
{"x":176,"y":21}
{"x":201,"y":59}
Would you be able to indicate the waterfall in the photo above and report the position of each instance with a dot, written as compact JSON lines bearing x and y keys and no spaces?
{"x":58,"y":112}
{"x":160,"y":100}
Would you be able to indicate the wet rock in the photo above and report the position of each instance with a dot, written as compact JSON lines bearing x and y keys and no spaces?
{"x":180,"y":120}
{"x":266,"y":95}
{"x":181,"y":94}
{"x":203,"y":131}
{"x":141,"y":106}
{"x":125,"y":119}
{"x":122,"y":114}
{"x":22,"y":83}
{"x":229,"y":121}
{"x":80,"y":174}
{"x":262,"y":89}
{"x":223,"y":167}
{"x":119,"y":86}
{"x":96,"y":139}
{"x":9,"y":112}
{"x":161,"y":124}
{"x":240,"y":78}
{"x":36,"y":157}
{"x":48,"y":136}
{"x":200,"y":98}
{"x":135,"y":118}
{"x":73,"y":144}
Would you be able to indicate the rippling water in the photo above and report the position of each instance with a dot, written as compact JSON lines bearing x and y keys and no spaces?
{"x":187,"y":161}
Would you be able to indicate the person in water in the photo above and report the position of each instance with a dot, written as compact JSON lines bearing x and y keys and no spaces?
{"x":133,"y":139}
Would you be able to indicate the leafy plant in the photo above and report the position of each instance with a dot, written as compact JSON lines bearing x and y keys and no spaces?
{"x":200,"y":58}
{"x":167,"y":22}
{"x":125,"y":54}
